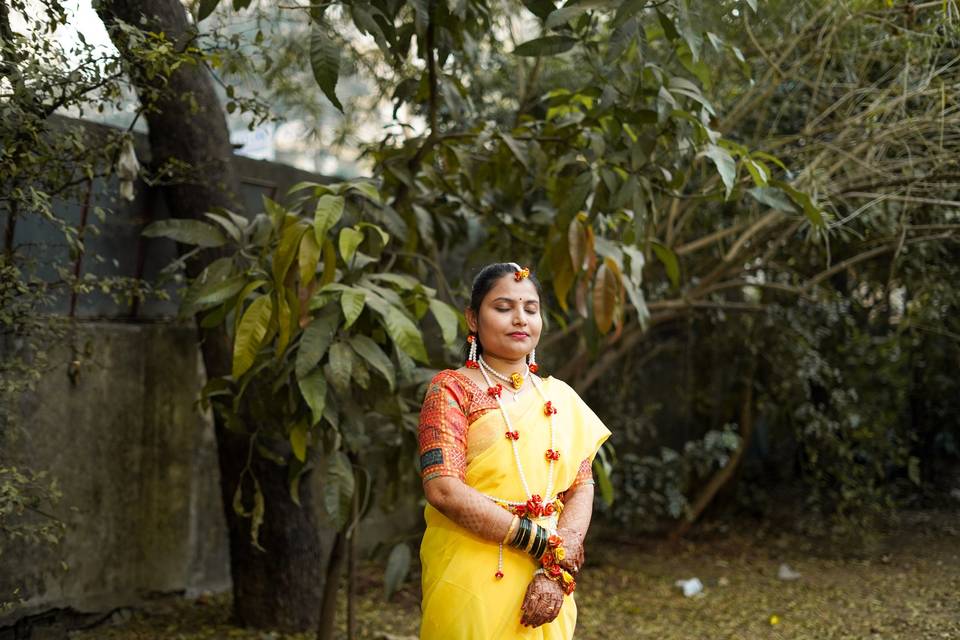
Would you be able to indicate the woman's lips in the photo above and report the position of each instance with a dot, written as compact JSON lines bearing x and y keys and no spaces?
{"x":519,"y":335}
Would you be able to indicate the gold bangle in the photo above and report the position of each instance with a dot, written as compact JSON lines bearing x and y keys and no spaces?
{"x":511,"y":529}
{"x":533,"y":536}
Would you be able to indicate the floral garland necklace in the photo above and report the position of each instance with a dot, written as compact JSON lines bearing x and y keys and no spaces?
{"x":534,"y":506}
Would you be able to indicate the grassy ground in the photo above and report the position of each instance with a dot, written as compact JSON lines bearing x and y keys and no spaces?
{"x":905,"y":585}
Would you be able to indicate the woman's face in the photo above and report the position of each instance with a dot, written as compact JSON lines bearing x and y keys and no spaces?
{"x":509,"y":321}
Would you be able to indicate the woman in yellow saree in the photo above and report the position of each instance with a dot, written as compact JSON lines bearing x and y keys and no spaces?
{"x":505,"y":457}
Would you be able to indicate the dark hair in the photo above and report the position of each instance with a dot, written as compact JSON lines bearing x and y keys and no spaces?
{"x":484,"y":281}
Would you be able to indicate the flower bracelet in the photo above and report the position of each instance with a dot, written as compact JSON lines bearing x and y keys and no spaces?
{"x":550,"y":562}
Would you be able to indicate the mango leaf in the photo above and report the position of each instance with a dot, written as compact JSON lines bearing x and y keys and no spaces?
{"x":367,"y":189}
{"x":571,"y":12}
{"x":400,"y":328}
{"x":232,"y":229}
{"x":725,"y":163}
{"x":352,"y":301}
{"x":516,"y":149}
{"x":298,"y":441}
{"x":604,"y":297}
{"x":338,"y":489}
{"x":238,"y":303}
{"x":639,"y":302}
{"x":216,"y":292}
{"x":398,"y":566}
{"x":577,"y":242}
{"x":253,"y":327}
{"x":400,"y":280}
{"x":447,"y":318}
{"x":349,"y":240}
{"x":186,"y":231}
{"x":329,"y":263}
{"x":759,"y":171}
{"x":540,"y":8}
{"x":313,"y":388}
{"x":288,"y":313}
{"x":206,"y":8}
{"x":328,"y":213}
{"x":307,"y":258}
{"x":773,"y":198}
{"x":316,"y":339}
{"x":806,"y":203}
{"x":325,"y":62}
{"x":371,"y":352}
{"x":603,"y":481}
{"x":545,"y":46}
{"x":382,"y":235}
{"x":341,"y":366}
{"x":287,"y":251}
{"x":670,"y":262}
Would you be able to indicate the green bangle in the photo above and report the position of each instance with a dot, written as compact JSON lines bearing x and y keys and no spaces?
{"x":522,"y":536}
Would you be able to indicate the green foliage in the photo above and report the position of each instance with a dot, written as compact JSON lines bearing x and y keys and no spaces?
{"x":324,"y":355}
{"x":655,"y":487}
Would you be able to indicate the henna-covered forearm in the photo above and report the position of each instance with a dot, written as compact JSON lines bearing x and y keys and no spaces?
{"x":578,"y":509}
{"x":468,"y":508}
{"x":573,"y":525}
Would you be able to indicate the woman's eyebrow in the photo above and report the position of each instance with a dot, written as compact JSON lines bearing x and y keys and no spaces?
{"x":505,"y":299}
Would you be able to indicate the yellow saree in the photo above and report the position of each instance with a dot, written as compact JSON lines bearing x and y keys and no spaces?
{"x":462,"y":599}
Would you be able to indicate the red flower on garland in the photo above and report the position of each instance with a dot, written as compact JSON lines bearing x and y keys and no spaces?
{"x":533,"y":367}
{"x":535,"y":506}
{"x":549,"y":409}
{"x":498,"y":574}
{"x":552,"y":455}
{"x":513,"y":435}
{"x":495,"y":391}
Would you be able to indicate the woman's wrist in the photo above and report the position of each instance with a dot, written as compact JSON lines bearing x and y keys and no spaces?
{"x":530,"y":537}
{"x":550,"y":563}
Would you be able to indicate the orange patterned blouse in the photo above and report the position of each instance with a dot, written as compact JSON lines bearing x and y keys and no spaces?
{"x":454,"y":402}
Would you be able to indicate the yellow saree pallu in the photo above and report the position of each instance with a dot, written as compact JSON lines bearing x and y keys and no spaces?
{"x":462,"y":598}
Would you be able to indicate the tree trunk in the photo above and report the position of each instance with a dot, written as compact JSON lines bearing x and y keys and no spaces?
{"x":279,"y":588}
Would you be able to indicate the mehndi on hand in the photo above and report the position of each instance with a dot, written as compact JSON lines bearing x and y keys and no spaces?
{"x":542,"y":602}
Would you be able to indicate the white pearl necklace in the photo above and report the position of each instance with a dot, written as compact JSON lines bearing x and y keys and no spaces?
{"x":515,"y":391}
{"x":548,"y":493}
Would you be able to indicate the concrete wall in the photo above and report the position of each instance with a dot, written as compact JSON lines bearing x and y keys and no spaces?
{"x":136,"y":462}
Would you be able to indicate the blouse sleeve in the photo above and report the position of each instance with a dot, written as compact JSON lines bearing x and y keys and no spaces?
{"x":443,"y":430}
{"x":584,"y":474}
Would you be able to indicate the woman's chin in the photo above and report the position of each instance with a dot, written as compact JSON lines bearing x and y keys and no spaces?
{"x":512,"y":354}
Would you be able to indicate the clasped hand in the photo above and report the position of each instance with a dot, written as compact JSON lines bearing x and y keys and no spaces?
{"x":544,"y":596}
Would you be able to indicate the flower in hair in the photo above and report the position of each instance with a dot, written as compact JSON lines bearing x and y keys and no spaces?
{"x":521,"y":274}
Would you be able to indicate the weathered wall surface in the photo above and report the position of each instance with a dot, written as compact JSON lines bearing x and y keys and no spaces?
{"x":136,"y":462}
